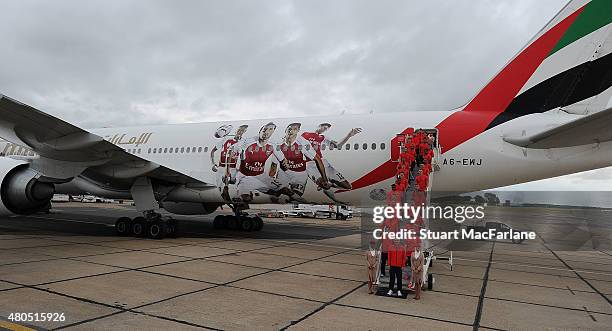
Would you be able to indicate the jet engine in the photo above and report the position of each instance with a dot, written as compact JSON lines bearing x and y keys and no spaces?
{"x":21,"y":191}
{"x":190,"y":208}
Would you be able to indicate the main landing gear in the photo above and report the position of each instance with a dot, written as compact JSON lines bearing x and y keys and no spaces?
{"x":152,"y":226}
{"x":240,"y":221}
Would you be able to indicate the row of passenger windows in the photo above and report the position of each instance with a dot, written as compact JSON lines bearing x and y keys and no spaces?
{"x":168,"y":150}
{"x":347,"y":147}
{"x":171,"y":150}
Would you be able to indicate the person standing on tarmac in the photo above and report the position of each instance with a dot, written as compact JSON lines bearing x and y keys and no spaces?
{"x":371,"y":262}
{"x":393,"y":198}
{"x":416,"y":265}
{"x":397,"y":260}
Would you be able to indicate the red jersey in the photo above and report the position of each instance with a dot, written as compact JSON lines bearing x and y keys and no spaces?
{"x":397,"y":256}
{"x":316,"y":140}
{"x":424,"y":148}
{"x":393,"y":197}
{"x":429,"y":156}
{"x":225,"y":160}
{"x":422,"y":181}
{"x":255,"y":158}
{"x":392,"y":224}
{"x":427,"y":168}
{"x":407,"y":158}
{"x":295,"y":158}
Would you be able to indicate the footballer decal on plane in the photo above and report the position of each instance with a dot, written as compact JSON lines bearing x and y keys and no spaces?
{"x":547,"y":113}
{"x":271,"y":168}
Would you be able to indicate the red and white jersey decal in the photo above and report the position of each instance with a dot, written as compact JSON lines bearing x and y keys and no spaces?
{"x":316,"y":140}
{"x":254,"y":159}
{"x":227,"y":155}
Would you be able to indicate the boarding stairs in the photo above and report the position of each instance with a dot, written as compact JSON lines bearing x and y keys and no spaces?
{"x":407,"y":197}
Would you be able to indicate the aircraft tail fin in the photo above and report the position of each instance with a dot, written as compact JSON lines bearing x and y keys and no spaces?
{"x":567,"y":65}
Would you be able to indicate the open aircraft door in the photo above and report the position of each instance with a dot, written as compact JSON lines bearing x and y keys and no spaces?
{"x":397,"y":143}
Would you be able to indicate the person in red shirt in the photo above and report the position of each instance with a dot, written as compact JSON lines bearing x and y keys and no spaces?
{"x":407,"y":157}
{"x":401,"y":166}
{"x":422,"y":181}
{"x":397,"y":260}
{"x":411,"y":155}
{"x":393,"y":196}
{"x":391,"y":224}
{"x":428,"y":156}
{"x":416,"y":139}
{"x":400,"y":189}
{"x":427,"y":168}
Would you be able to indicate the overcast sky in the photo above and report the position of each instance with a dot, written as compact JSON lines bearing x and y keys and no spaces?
{"x":117,"y":63}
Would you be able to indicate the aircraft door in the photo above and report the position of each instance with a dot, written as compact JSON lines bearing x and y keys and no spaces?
{"x":398,"y":142}
{"x":396,"y":145}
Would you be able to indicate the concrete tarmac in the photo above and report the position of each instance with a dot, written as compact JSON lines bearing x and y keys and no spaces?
{"x":294,"y":274}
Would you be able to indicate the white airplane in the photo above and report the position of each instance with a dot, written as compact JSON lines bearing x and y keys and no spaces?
{"x":546,"y":113}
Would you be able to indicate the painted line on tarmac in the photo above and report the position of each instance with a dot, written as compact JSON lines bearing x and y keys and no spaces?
{"x":539,"y":267}
{"x":483,"y":290}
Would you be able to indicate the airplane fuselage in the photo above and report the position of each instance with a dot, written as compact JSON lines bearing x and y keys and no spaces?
{"x":483,"y":162}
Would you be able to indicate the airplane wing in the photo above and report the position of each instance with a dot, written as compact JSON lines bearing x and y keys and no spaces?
{"x":66,"y":150}
{"x":586,"y":130}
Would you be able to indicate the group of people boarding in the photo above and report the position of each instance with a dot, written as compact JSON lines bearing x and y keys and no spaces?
{"x":416,"y":152}
{"x":416,"y":155}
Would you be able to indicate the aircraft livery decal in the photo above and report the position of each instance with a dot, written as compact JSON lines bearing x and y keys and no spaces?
{"x":258,"y":163}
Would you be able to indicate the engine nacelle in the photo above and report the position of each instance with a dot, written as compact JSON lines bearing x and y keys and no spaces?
{"x":21,"y":192}
{"x":190,"y":208}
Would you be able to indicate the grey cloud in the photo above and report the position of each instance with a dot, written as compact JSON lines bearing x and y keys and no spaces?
{"x":108,"y":63}
{"x":115,"y":63}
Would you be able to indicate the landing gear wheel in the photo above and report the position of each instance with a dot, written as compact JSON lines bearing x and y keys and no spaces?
{"x":232,"y":223}
{"x":247,"y":224}
{"x":430,"y":281}
{"x":220,"y":222}
{"x":173,"y":228}
{"x":122,"y":226}
{"x":157,"y":229}
{"x":138,"y":226}
{"x":258,"y":223}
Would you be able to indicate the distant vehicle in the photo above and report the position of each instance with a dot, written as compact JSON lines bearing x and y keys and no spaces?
{"x":343,"y":212}
{"x":89,"y":199}
{"x":60,"y":198}
{"x":339,"y":212}
{"x":299,"y":212}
